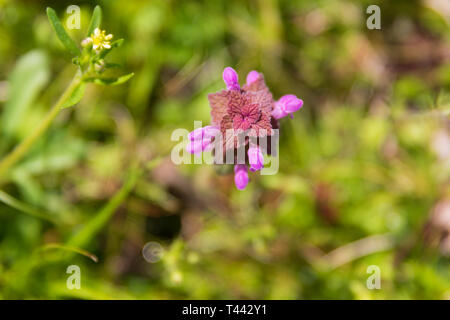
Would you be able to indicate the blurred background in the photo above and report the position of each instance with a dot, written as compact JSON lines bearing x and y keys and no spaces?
{"x":364,"y":173}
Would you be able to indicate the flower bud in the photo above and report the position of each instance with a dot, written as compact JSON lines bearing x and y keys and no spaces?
{"x":86,"y":42}
{"x":240,"y":176}
{"x":252,"y":77}
{"x":256,"y":158}
{"x":202,"y":133}
{"x":231,"y":79}
{"x":286,"y":105}
{"x":198,"y":146}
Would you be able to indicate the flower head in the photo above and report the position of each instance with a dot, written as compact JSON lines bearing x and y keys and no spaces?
{"x":249,"y":111}
{"x":99,"y":39}
{"x":243,"y":111}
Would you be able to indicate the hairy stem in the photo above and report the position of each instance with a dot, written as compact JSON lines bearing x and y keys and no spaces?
{"x":26,"y":144}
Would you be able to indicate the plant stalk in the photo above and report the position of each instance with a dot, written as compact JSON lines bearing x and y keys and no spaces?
{"x":19,"y":151}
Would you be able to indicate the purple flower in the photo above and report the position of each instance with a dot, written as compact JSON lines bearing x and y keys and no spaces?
{"x":231,"y":79}
{"x":255,"y":158}
{"x":201,"y":139}
{"x":252,"y":77}
{"x":250,"y":109}
{"x":287,"y":104}
{"x":240,"y":176}
{"x":204,"y":132}
{"x":198,"y":146}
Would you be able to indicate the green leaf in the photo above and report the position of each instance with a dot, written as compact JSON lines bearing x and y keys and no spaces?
{"x":95,"y":20}
{"x":30,"y":75}
{"x":61,"y":153}
{"x":61,"y":32}
{"x":23,"y":207}
{"x":60,"y":246}
{"x":76,"y":96}
{"x":112,"y":65}
{"x":111,"y":81}
{"x":117,"y":43}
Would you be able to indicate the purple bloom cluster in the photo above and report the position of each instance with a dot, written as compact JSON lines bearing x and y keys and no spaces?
{"x":250,"y":108}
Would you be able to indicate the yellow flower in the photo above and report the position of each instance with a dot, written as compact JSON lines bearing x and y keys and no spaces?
{"x":99,"y":39}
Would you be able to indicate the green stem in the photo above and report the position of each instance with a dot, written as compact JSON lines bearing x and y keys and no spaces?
{"x":26,"y":144}
{"x":96,"y":223}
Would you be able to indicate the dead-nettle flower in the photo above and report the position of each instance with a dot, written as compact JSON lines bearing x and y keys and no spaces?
{"x":245,"y":117}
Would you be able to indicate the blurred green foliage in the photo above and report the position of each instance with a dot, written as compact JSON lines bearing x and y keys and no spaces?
{"x":364,"y":167}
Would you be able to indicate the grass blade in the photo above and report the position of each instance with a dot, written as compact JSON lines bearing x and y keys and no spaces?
{"x":94,"y":226}
{"x":18,"y":205}
{"x":85,"y":253}
{"x":61,"y":33}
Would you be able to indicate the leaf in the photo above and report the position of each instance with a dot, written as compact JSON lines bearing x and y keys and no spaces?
{"x":111,"y":81}
{"x":60,"y":153}
{"x":23,"y":207}
{"x":85,"y":253}
{"x":61,"y":33}
{"x":112,"y":65}
{"x":30,"y":75}
{"x":95,"y":20}
{"x":76,"y":96}
{"x":117,"y":43}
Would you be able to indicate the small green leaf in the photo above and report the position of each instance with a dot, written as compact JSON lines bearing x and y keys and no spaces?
{"x":111,"y":81}
{"x":76,"y":96}
{"x":117,"y":43}
{"x":95,"y":20}
{"x":61,"y":33}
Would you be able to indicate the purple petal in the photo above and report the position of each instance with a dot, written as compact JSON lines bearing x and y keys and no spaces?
{"x":198,"y":146}
{"x":292,"y":103}
{"x":256,"y":158}
{"x":204,"y":132}
{"x":210,"y":132}
{"x":278,"y":112}
{"x":252,"y":77}
{"x":240,"y":176}
{"x":194,"y":147}
{"x":231,"y":79}
{"x":207,"y":144}
{"x":286,"y":105}
{"x":197,"y":134}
